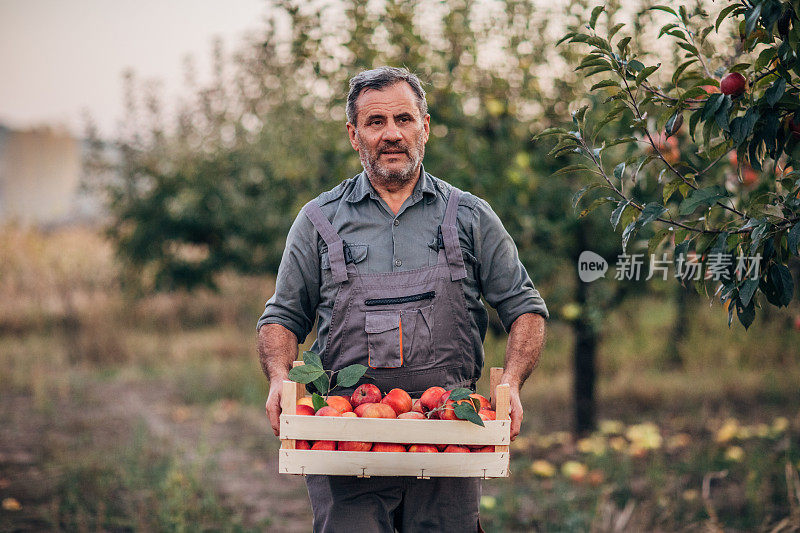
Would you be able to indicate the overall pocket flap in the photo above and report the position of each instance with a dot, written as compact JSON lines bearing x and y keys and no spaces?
{"x":380,"y":321}
{"x":358,"y":252}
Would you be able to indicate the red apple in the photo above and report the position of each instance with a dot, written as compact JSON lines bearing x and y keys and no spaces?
{"x":303,"y":409}
{"x":375,"y":410}
{"x":388,"y":447}
{"x":366,"y":393}
{"x":487,"y":414}
{"x":417,"y":406}
{"x":399,"y":400}
{"x":324,"y":445}
{"x":423,"y":448}
{"x":340,"y":403}
{"x":454,"y":448}
{"x":354,"y":446}
{"x":302,"y":445}
{"x":328,"y":411}
{"x":733,"y":84}
{"x":413,"y":415}
{"x":430,"y":398}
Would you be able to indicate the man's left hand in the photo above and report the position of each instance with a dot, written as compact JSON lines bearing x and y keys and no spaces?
{"x":516,"y":412}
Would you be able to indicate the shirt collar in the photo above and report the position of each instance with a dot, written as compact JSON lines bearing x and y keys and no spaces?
{"x":363,"y":187}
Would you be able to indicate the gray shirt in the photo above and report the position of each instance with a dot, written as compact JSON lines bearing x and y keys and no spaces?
{"x":380,"y":241}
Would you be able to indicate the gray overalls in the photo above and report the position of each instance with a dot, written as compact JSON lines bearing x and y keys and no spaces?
{"x":412,"y":330}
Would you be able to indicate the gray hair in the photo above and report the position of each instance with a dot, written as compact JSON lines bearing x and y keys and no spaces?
{"x":380,"y":78}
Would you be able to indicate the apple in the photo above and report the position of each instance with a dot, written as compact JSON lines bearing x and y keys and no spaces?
{"x":306,"y":400}
{"x":484,"y":403}
{"x":430,"y":398}
{"x":365,"y":393}
{"x":797,"y":322}
{"x":454,"y":448}
{"x":375,"y":410}
{"x":482,"y":449}
{"x":399,"y":400}
{"x":709,"y":89}
{"x":449,"y":413}
{"x":349,"y":414}
{"x":328,"y":411}
{"x":388,"y":447}
{"x":412,"y":415}
{"x":340,"y":403}
{"x":303,"y":409}
{"x":324,"y":445}
{"x":417,"y":406}
{"x":354,"y":446}
{"x":423,"y":448}
{"x":733,"y":84}
{"x":302,"y":445}
{"x":487,"y":414}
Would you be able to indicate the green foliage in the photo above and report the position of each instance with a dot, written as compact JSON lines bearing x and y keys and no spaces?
{"x":755,"y":127}
{"x":312,"y":372}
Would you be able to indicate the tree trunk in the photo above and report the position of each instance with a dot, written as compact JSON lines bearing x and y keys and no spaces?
{"x":673,"y":358}
{"x":585,"y":374}
{"x":585,"y":356}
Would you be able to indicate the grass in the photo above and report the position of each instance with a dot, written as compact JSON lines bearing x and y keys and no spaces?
{"x":69,"y":332}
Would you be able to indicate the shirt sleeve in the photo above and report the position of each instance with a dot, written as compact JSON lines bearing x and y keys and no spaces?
{"x":294,"y":303}
{"x":505,"y":283}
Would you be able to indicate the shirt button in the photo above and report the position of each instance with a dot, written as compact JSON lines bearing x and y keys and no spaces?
{"x":398,"y":263}
{"x":396,"y":222}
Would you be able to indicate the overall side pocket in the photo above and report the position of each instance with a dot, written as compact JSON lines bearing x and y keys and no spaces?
{"x":384,"y":339}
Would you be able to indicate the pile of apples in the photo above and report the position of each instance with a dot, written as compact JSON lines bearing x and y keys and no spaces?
{"x":368,"y":402}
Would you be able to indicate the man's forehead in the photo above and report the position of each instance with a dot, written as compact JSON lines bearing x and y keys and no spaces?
{"x":395,"y":98}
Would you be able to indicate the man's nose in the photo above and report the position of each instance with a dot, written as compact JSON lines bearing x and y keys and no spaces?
{"x":392,"y":132}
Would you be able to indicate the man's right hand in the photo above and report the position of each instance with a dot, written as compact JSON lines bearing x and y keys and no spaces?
{"x":274,"y":406}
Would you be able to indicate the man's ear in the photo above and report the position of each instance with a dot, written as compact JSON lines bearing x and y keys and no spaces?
{"x":351,"y":131}
{"x":426,"y":125}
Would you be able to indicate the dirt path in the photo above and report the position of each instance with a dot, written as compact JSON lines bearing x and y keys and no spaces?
{"x":233,"y":439}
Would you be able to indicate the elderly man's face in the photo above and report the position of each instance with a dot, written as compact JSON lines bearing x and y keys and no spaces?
{"x":390,"y":134}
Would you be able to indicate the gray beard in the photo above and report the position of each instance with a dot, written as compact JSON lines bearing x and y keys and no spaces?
{"x":385,"y":177}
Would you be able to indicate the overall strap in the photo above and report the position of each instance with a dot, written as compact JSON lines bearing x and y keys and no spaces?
{"x":452,"y":249}
{"x":331,"y":238}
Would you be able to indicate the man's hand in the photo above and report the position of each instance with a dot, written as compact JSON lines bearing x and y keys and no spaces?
{"x":525,"y":342}
{"x":277,"y":348}
{"x":274,"y":406}
{"x":516,"y":412}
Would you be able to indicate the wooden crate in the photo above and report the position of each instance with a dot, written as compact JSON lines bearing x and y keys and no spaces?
{"x":422,"y":465}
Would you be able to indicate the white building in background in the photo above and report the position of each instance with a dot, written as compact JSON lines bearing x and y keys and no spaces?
{"x":40,"y":178}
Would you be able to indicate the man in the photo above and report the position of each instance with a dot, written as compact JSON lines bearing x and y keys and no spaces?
{"x":392,"y":263}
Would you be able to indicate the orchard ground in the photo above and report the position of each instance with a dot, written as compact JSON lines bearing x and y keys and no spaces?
{"x":147,"y":414}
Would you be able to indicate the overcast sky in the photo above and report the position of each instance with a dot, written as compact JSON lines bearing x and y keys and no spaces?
{"x":59,"y":57}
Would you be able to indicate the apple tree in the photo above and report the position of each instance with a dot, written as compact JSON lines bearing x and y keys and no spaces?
{"x":713,"y":131}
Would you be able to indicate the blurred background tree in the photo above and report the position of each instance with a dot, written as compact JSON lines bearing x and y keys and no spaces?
{"x":218,"y":189}
{"x":733,"y":192}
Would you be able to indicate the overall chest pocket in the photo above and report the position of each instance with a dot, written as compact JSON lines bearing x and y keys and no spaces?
{"x":401,"y":337}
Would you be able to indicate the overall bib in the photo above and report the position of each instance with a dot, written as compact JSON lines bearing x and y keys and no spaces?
{"x":412,"y":330}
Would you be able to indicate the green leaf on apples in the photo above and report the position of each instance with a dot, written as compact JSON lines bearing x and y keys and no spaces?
{"x":349,"y":375}
{"x":323,"y":383}
{"x":305,"y":373}
{"x":477,"y":403}
{"x":459,"y":394}
{"x":318,"y":401}
{"x":311,"y":358}
{"x":465,"y":411}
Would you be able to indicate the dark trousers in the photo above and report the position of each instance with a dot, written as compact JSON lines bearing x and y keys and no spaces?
{"x":389,"y":504}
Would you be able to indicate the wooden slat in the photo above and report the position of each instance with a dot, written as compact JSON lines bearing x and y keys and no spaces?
{"x":288,"y":407}
{"x":394,"y":430}
{"x":393,"y":464}
{"x":494,"y":380}
{"x":503,"y":394}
